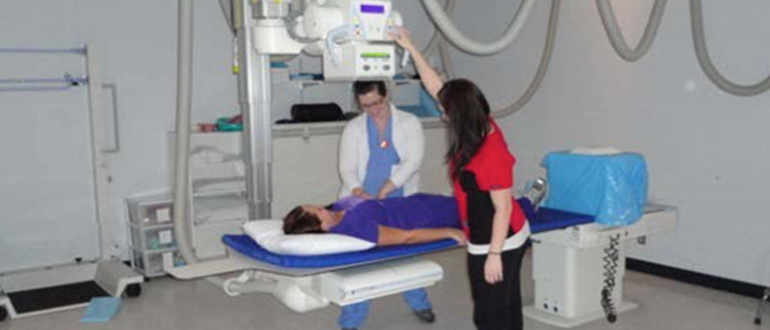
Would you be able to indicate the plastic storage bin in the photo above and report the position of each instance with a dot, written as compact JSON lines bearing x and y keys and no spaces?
{"x":153,"y":243}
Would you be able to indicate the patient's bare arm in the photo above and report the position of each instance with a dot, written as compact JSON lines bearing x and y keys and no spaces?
{"x":395,"y":236}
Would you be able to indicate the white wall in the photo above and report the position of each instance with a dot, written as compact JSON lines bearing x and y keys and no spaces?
{"x":137,"y":42}
{"x":704,"y":148}
{"x":707,"y":151}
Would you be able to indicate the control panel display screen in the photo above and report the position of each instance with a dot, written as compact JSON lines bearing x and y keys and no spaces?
{"x":372,"y":9}
{"x":375,"y":55}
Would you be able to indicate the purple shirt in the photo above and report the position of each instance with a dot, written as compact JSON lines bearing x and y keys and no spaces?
{"x":419,"y":211}
{"x":346,"y":203}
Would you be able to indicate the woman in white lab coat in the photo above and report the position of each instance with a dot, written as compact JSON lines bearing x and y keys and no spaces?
{"x":380,"y":155}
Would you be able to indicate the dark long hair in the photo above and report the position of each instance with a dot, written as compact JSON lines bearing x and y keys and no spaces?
{"x":467,"y":111}
{"x":300,"y":222}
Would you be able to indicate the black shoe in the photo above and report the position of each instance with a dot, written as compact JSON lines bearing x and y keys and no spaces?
{"x":426,"y":315}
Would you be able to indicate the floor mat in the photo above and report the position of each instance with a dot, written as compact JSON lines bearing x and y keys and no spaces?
{"x":53,"y":297}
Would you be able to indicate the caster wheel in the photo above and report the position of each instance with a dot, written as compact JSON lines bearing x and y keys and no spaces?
{"x":3,"y":313}
{"x":230,"y":286}
{"x":133,"y":290}
{"x":757,"y":321}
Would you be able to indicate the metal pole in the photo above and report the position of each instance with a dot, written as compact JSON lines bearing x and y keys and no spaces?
{"x":255,"y":101}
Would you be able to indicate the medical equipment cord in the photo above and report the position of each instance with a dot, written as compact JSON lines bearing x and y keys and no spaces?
{"x":611,"y":259}
{"x":473,"y":47}
{"x":542,"y":68}
{"x":707,"y":65}
{"x":182,"y":138}
{"x":183,"y":103}
{"x":446,"y":60}
{"x":616,"y":36}
{"x":433,"y":44}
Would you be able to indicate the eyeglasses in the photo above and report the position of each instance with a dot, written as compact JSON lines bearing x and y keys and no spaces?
{"x":374,"y":104}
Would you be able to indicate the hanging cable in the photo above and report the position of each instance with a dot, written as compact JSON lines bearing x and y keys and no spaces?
{"x":616,"y":36}
{"x":611,"y":260}
{"x":182,"y":137}
{"x":446,"y":60}
{"x":542,"y":68}
{"x":449,"y":9}
{"x":470,"y":46}
{"x":707,"y":65}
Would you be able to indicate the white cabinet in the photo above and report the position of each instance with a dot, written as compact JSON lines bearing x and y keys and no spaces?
{"x":218,"y":203}
{"x":152,"y":241}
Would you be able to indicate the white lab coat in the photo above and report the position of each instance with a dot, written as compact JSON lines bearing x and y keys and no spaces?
{"x":409,"y":141}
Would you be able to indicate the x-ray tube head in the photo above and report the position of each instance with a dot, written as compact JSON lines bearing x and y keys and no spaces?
{"x":358,"y":37}
{"x":354,"y":37}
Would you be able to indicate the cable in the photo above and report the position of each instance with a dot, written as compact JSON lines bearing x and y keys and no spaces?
{"x":449,"y":9}
{"x":182,"y":138}
{"x":611,"y":258}
{"x":446,"y":60}
{"x":473,"y":47}
{"x":616,"y":36}
{"x":707,"y":65}
{"x":542,"y":68}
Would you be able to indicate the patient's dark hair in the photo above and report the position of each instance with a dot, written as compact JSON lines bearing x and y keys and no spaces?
{"x":300,"y":222}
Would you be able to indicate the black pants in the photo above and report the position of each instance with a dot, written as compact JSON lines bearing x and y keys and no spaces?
{"x":497,"y":306}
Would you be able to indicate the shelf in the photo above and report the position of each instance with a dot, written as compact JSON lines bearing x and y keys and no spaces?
{"x":217,"y":170}
{"x":158,"y":251}
{"x":309,"y":82}
{"x":220,"y":208}
{"x":169,"y":225}
{"x":219,"y":186}
{"x":400,"y":82}
{"x":214,"y":193}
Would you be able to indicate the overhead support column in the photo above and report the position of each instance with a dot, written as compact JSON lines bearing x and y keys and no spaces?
{"x":255,"y":101}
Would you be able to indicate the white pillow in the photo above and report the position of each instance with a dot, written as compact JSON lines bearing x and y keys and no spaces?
{"x":269,"y":234}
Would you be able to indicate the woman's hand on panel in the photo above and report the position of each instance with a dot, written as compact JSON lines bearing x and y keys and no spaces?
{"x":404,"y":39}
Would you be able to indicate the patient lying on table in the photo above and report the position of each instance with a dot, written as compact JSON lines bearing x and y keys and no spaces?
{"x":414,"y":219}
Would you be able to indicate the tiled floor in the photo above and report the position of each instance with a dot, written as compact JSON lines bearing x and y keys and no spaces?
{"x":169,"y":304}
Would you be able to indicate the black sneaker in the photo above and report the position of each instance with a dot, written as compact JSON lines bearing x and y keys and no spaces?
{"x":426,"y":315}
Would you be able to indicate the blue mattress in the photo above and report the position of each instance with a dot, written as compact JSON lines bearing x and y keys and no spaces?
{"x":544,"y":219}
{"x":247,"y":246}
